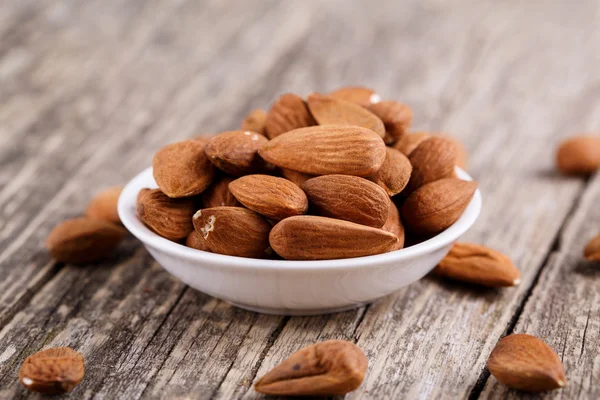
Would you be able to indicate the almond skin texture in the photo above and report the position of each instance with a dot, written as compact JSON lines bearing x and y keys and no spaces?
{"x":592,"y":249}
{"x":393,"y":224}
{"x":526,"y":363}
{"x":396,"y":118}
{"x":169,"y":218}
{"x":579,"y":155}
{"x":347,"y":197}
{"x":330,"y":368}
{"x":356,"y":94}
{"x":255,"y":121}
{"x":394,"y":174}
{"x":195,"y":241}
{"x":432,"y":160}
{"x":408,"y":143}
{"x":272,"y":197}
{"x":104,"y":205}
{"x":236,"y":152}
{"x":52,"y":371}
{"x":331,"y":111}
{"x":480,"y":265}
{"x":328,"y":149}
{"x":182,"y":169}
{"x":296,"y":177}
{"x":307,"y":237}
{"x":83,"y":240}
{"x":289,"y":112}
{"x":437,"y":205}
{"x":233,"y":231}
{"x":218,"y":194}
{"x":462,"y":155}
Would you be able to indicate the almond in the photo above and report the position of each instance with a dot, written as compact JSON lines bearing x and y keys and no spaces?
{"x":592,"y":249}
{"x":432,"y":160}
{"x":272,"y":197}
{"x":579,"y":155}
{"x":480,"y":265}
{"x":525,"y":362}
{"x":289,"y":112}
{"x":236,"y":152}
{"x":52,"y":371}
{"x":408,"y":143}
{"x":393,"y":224}
{"x":218,"y":194}
{"x":83,"y":240}
{"x":396,"y":118}
{"x":332,"y":111}
{"x":347,"y":197}
{"x":356,"y":94}
{"x":182,"y":169}
{"x":168,"y":217}
{"x":330,"y":368}
{"x":104,"y":205}
{"x":395,"y":172}
{"x":195,"y":241}
{"x":330,"y":149}
{"x":437,"y":205}
{"x":296,"y":177}
{"x":462,"y":155}
{"x":307,"y":237}
{"x":233,"y":231}
{"x":255,"y":121}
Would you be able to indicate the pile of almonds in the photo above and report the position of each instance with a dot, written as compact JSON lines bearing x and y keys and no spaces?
{"x":333,"y":176}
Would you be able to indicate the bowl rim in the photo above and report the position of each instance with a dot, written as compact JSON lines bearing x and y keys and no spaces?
{"x":128,"y":214}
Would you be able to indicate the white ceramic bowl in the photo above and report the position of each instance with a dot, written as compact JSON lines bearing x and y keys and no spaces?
{"x":293,"y":287}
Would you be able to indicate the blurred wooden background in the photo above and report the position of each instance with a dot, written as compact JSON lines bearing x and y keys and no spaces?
{"x":89,"y":90}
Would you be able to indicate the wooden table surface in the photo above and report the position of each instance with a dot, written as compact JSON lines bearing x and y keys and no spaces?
{"x":89,"y":90}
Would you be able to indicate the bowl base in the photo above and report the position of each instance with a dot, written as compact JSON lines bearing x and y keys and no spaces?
{"x":297,"y":312}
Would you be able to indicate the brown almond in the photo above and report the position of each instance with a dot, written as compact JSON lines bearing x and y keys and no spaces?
{"x":408,"y":143}
{"x":271,"y":197}
{"x":296,"y":177}
{"x":356,"y":94}
{"x":396,"y":118}
{"x":218,"y":194}
{"x":330,"y":368}
{"x":195,"y":241}
{"x":104,"y":205}
{"x":168,"y":217}
{"x":203,"y":137}
{"x":437,"y":205}
{"x":255,"y":121}
{"x":308,"y":237}
{"x":182,"y":169}
{"x":236,"y":152}
{"x":347,"y":197}
{"x":525,"y":362}
{"x":474,"y":263}
{"x":331,"y":111}
{"x":592,"y":249}
{"x":462,"y":155}
{"x":579,"y":155}
{"x":52,"y":371}
{"x":328,"y":149}
{"x":393,"y":224}
{"x":432,"y":160}
{"x":83,"y":240}
{"x":289,"y":112}
{"x":233,"y":231}
{"x":394,"y":174}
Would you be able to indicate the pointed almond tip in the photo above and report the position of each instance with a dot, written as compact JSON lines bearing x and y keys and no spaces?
{"x":561,"y":383}
{"x":516,"y":281}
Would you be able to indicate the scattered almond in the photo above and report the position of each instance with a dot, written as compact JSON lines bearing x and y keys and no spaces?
{"x":395,"y":172}
{"x":331,"y":368}
{"x":408,"y":143}
{"x":592,"y":249}
{"x":233,"y":231}
{"x":480,"y":265}
{"x":526,"y":363}
{"x":289,"y":112}
{"x":331,"y":111}
{"x":330,"y":149}
{"x":349,"y":198}
{"x":255,"y":121}
{"x":218,"y":194}
{"x":432,"y":160}
{"x":170,"y":218}
{"x":83,"y":240}
{"x":272,"y":197}
{"x":236,"y":152}
{"x":52,"y":371}
{"x":579,"y":155}
{"x":396,"y":118}
{"x":393,"y":224}
{"x":104,"y":205}
{"x":308,"y":237}
{"x":356,"y":94}
{"x":195,"y":241}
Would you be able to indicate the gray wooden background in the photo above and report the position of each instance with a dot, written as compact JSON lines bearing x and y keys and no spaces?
{"x":89,"y":90}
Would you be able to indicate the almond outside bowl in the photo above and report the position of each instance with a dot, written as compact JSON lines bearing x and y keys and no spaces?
{"x":293,"y":287}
